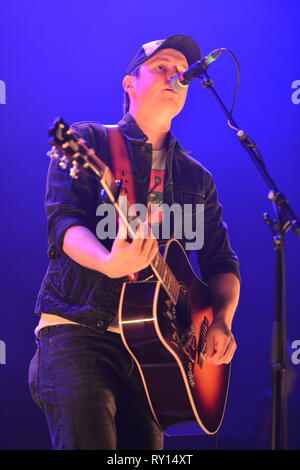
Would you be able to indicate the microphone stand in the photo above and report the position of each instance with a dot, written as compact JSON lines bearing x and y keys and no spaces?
{"x":285,"y":218}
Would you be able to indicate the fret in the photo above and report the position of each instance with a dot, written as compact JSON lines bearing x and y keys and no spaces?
{"x":169,"y":281}
{"x":166,"y":276}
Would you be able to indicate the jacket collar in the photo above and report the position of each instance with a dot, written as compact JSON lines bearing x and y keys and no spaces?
{"x":130,"y":129}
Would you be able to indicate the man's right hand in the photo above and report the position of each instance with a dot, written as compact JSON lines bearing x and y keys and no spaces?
{"x":130,"y":257}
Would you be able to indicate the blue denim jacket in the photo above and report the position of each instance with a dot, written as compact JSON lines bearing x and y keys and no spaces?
{"x":87,"y":296}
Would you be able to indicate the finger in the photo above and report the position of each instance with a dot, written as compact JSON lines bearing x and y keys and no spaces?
{"x":122,"y":230}
{"x":141,"y":230}
{"x":147,"y":252}
{"x":228,"y":353}
{"x":137,"y":243}
{"x":147,"y":230}
{"x":155,"y":215}
{"x":137,"y":238}
{"x":144,"y":240}
{"x":151,"y":249}
{"x":219,"y":349}
{"x":152,"y":219}
{"x":209,"y":345}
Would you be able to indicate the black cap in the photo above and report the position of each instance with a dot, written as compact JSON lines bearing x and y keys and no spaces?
{"x":184,"y":44}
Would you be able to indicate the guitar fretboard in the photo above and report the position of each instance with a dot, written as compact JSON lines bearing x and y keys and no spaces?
{"x":165,"y":275}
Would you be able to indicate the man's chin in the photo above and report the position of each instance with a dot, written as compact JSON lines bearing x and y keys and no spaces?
{"x":170,"y":105}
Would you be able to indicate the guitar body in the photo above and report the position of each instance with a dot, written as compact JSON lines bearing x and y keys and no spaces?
{"x":166,"y":342}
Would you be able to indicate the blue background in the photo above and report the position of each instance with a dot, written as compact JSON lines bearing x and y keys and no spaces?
{"x":68,"y":59}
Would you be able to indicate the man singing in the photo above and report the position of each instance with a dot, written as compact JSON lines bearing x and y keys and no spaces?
{"x":82,"y":376}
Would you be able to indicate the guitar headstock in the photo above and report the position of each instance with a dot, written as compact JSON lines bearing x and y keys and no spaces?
{"x":72,"y":151}
{"x":60,"y":132}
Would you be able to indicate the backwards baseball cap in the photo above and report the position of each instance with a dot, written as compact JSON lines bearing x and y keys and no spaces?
{"x":184,"y":44}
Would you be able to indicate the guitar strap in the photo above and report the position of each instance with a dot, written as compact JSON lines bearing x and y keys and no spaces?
{"x":121,"y":166}
{"x":121,"y":163}
{"x":122,"y":170}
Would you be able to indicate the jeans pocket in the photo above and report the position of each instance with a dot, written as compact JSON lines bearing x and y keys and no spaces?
{"x":58,"y":333}
{"x":33,"y":377}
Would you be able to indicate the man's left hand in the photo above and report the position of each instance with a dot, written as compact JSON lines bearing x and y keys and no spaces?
{"x":220,"y":343}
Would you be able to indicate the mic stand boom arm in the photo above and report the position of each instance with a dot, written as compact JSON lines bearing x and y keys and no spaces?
{"x":284,"y":220}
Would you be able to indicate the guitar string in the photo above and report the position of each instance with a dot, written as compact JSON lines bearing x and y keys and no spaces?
{"x":184,"y":298}
{"x":182,"y":294}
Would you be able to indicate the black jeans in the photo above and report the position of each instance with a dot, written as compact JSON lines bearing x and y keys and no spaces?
{"x":91,"y":392}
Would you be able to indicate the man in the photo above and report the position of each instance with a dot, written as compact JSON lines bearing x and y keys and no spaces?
{"x":81,"y":375}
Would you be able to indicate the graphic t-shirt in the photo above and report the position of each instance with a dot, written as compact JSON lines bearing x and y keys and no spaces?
{"x":157,"y":178}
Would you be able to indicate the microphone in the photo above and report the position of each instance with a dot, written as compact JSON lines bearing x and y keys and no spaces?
{"x":182,"y":80}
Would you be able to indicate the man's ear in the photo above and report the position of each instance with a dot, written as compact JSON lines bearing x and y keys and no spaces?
{"x":127,"y":83}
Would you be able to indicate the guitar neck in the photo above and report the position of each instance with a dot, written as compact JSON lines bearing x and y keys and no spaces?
{"x":158,"y":264}
{"x":75,"y":151}
{"x":167,"y":278}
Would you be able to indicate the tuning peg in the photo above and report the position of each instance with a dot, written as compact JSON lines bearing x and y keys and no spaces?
{"x":74,"y":170}
{"x":53,"y":153}
{"x":63,"y":163}
{"x":104,"y":196}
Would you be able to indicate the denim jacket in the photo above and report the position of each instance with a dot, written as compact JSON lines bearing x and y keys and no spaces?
{"x":87,"y":296}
